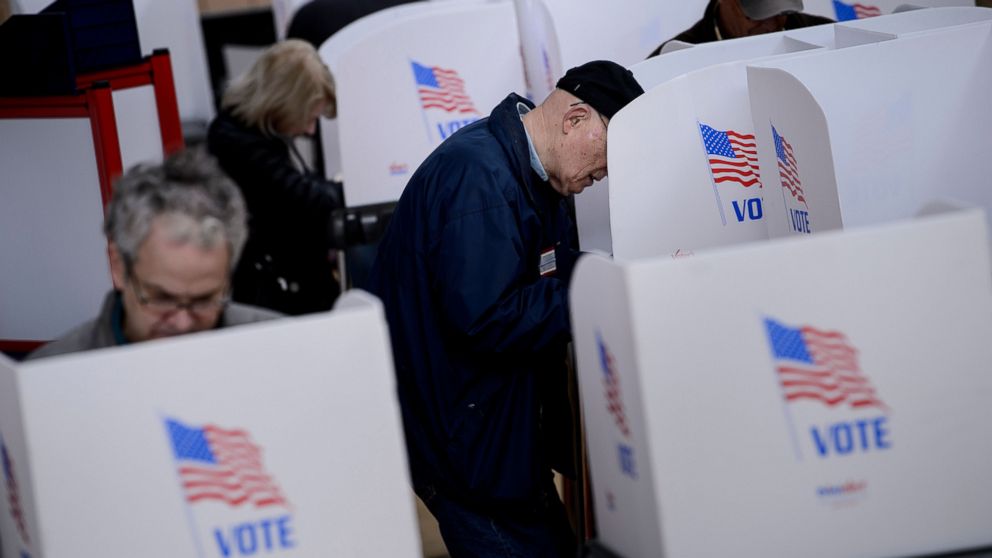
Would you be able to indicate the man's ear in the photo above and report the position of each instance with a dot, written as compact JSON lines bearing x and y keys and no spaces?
{"x":118,"y":270}
{"x":574,"y":117}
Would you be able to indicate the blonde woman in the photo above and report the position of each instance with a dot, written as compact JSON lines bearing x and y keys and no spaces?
{"x":286,"y":264}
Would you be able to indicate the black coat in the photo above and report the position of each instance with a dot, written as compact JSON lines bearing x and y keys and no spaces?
{"x":286,"y":264}
{"x":479,"y":335}
{"x":704,"y":31}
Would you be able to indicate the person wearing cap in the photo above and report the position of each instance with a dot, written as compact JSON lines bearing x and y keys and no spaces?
{"x":473,"y":273}
{"x":174,"y":232}
{"x":730,"y":19}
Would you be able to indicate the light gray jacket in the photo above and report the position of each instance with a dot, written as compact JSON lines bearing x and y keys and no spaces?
{"x":99,"y":332}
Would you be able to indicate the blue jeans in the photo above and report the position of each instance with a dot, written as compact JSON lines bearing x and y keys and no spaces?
{"x":541,"y":531}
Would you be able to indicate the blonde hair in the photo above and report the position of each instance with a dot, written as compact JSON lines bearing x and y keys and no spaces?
{"x":282,"y":88}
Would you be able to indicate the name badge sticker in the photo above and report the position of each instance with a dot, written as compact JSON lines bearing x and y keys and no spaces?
{"x":548,"y":264}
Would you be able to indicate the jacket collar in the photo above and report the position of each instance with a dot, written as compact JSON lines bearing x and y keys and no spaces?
{"x":506,"y":125}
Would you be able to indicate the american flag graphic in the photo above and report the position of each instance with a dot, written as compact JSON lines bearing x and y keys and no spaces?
{"x":846,"y":12}
{"x":733,"y":156}
{"x":13,"y":494}
{"x":223,"y":465}
{"x":441,"y":88}
{"x":788,"y":171}
{"x":611,"y":385}
{"x":819,"y":365}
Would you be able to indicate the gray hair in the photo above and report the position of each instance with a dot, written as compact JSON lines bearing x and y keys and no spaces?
{"x":197,"y":201}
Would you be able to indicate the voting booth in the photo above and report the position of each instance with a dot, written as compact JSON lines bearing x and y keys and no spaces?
{"x":849,"y":10}
{"x":407,"y":78}
{"x":820,"y":396}
{"x":687,"y":188}
{"x":624,"y":31}
{"x":274,"y":439}
{"x":60,"y":156}
{"x":870,"y":134}
{"x":696,"y":183}
{"x":146,"y":108}
{"x":55,"y":257}
{"x":652,"y":117}
{"x":175,"y":26}
{"x":539,"y":48}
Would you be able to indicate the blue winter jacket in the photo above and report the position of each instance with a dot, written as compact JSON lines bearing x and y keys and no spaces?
{"x":479,"y":335}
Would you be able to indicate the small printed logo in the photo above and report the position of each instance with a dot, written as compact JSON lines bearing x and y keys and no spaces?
{"x":443,"y":99}
{"x":788,"y":172}
{"x":819,"y":368}
{"x":615,"y":406}
{"x":843,"y":493}
{"x":14,"y":496}
{"x":398,"y":169}
{"x":682,"y":253}
{"x":847,"y":12}
{"x":733,"y":163}
{"x":223,"y":478}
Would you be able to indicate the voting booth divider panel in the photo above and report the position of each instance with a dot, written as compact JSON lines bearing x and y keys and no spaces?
{"x":816,"y":396}
{"x":281,"y":438}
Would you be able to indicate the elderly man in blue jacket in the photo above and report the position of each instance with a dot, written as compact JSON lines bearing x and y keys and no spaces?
{"x":473,"y":272}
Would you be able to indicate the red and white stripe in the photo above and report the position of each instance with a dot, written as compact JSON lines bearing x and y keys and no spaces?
{"x":863,"y":11}
{"x":237,"y":478}
{"x":834,"y":378}
{"x":744,"y":168}
{"x":614,"y":403}
{"x":789,"y":173}
{"x":451,"y":95}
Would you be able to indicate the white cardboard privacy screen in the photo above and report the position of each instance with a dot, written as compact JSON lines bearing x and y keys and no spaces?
{"x":917,"y":21}
{"x":438,"y":66}
{"x":851,"y":10}
{"x":539,"y":47}
{"x":651,"y":219}
{"x":55,"y":256}
{"x":659,"y":69}
{"x":593,"y":206}
{"x":684,"y":171}
{"x":106,"y":438}
{"x":824,"y":396}
{"x":137,"y":126}
{"x":872,"y":133}
{"x":623,"y":31}
{"x":176,"y":26}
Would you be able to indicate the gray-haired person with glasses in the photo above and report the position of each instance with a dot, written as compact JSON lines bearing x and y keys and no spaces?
{"x":174,"y":234}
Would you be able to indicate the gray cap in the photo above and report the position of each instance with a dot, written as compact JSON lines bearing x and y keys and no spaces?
{"x":764,"y":9}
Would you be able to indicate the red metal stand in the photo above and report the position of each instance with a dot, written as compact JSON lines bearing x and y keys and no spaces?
{"x":154,"y":70}
{"x":96,"y":104}
{"x":95,"y":101}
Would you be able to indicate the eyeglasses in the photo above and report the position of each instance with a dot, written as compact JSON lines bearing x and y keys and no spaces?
{"x":165,"y":303}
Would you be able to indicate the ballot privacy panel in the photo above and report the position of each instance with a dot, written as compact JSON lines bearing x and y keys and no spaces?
{"x":274,"y":439}
{"x":648,"y":173}
{"x":691,"y":167}
{"x":873,"y":133}
{"x":407,"y":78}
{"x":818,"y":396}
{"x":853,"y":10}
